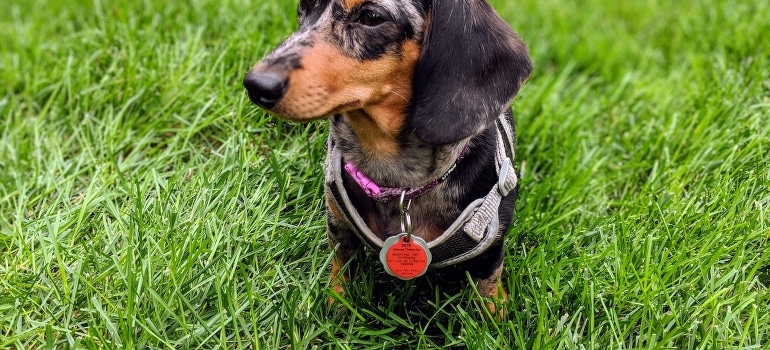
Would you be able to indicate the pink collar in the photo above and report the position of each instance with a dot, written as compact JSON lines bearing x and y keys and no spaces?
{"x":387,"y":194}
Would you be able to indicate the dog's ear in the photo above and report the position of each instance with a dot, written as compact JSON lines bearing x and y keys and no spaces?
{"x":471,"y":66}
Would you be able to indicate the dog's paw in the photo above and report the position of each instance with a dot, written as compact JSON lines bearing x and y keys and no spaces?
{"x":336,"y":296}
{"x":497,"y":305}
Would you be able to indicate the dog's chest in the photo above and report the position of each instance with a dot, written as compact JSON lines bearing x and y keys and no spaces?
{"x":430,"y":215}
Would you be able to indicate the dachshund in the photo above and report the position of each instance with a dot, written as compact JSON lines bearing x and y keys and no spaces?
{"x":418,"y":96}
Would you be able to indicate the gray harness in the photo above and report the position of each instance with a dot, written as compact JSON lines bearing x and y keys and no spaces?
{"x":472,"y":233}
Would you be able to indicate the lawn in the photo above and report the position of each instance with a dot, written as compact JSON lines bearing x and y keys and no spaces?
{"x":144,"y":203}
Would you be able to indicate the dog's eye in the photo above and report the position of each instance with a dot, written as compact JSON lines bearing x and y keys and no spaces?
{"x":370,"y":18}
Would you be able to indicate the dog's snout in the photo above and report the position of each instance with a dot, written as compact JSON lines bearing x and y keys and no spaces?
{"x":265,"y":88}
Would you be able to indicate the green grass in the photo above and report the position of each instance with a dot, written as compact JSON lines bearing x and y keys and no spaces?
{"x":144,"y":203}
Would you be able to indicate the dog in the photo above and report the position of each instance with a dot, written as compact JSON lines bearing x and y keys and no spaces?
{"x":418,"y":95}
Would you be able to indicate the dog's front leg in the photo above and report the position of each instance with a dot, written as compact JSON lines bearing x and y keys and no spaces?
{"x":492,"y":288}
{"x":486,"y":271}
{"x":343,"y":243}
{"x":340,"y":275}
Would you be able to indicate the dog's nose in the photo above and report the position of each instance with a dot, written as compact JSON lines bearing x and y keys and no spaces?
{"x":265,"y":88}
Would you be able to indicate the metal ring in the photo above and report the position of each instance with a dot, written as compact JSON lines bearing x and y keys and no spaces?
{"x":408,"y":228}
{"x":406,"y":219}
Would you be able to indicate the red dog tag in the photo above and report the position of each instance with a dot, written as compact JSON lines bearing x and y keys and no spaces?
{"x":404,"y":257}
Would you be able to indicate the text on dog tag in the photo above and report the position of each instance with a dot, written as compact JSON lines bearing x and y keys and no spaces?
{"x":404,"y":257}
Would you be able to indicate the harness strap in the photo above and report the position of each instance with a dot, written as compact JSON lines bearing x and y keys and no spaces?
{"x":476,"y":228}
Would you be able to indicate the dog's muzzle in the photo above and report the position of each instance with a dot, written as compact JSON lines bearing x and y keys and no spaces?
{"x":265,"y":88}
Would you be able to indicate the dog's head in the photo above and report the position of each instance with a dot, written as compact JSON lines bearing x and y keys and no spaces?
{"x":444,"y":68}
